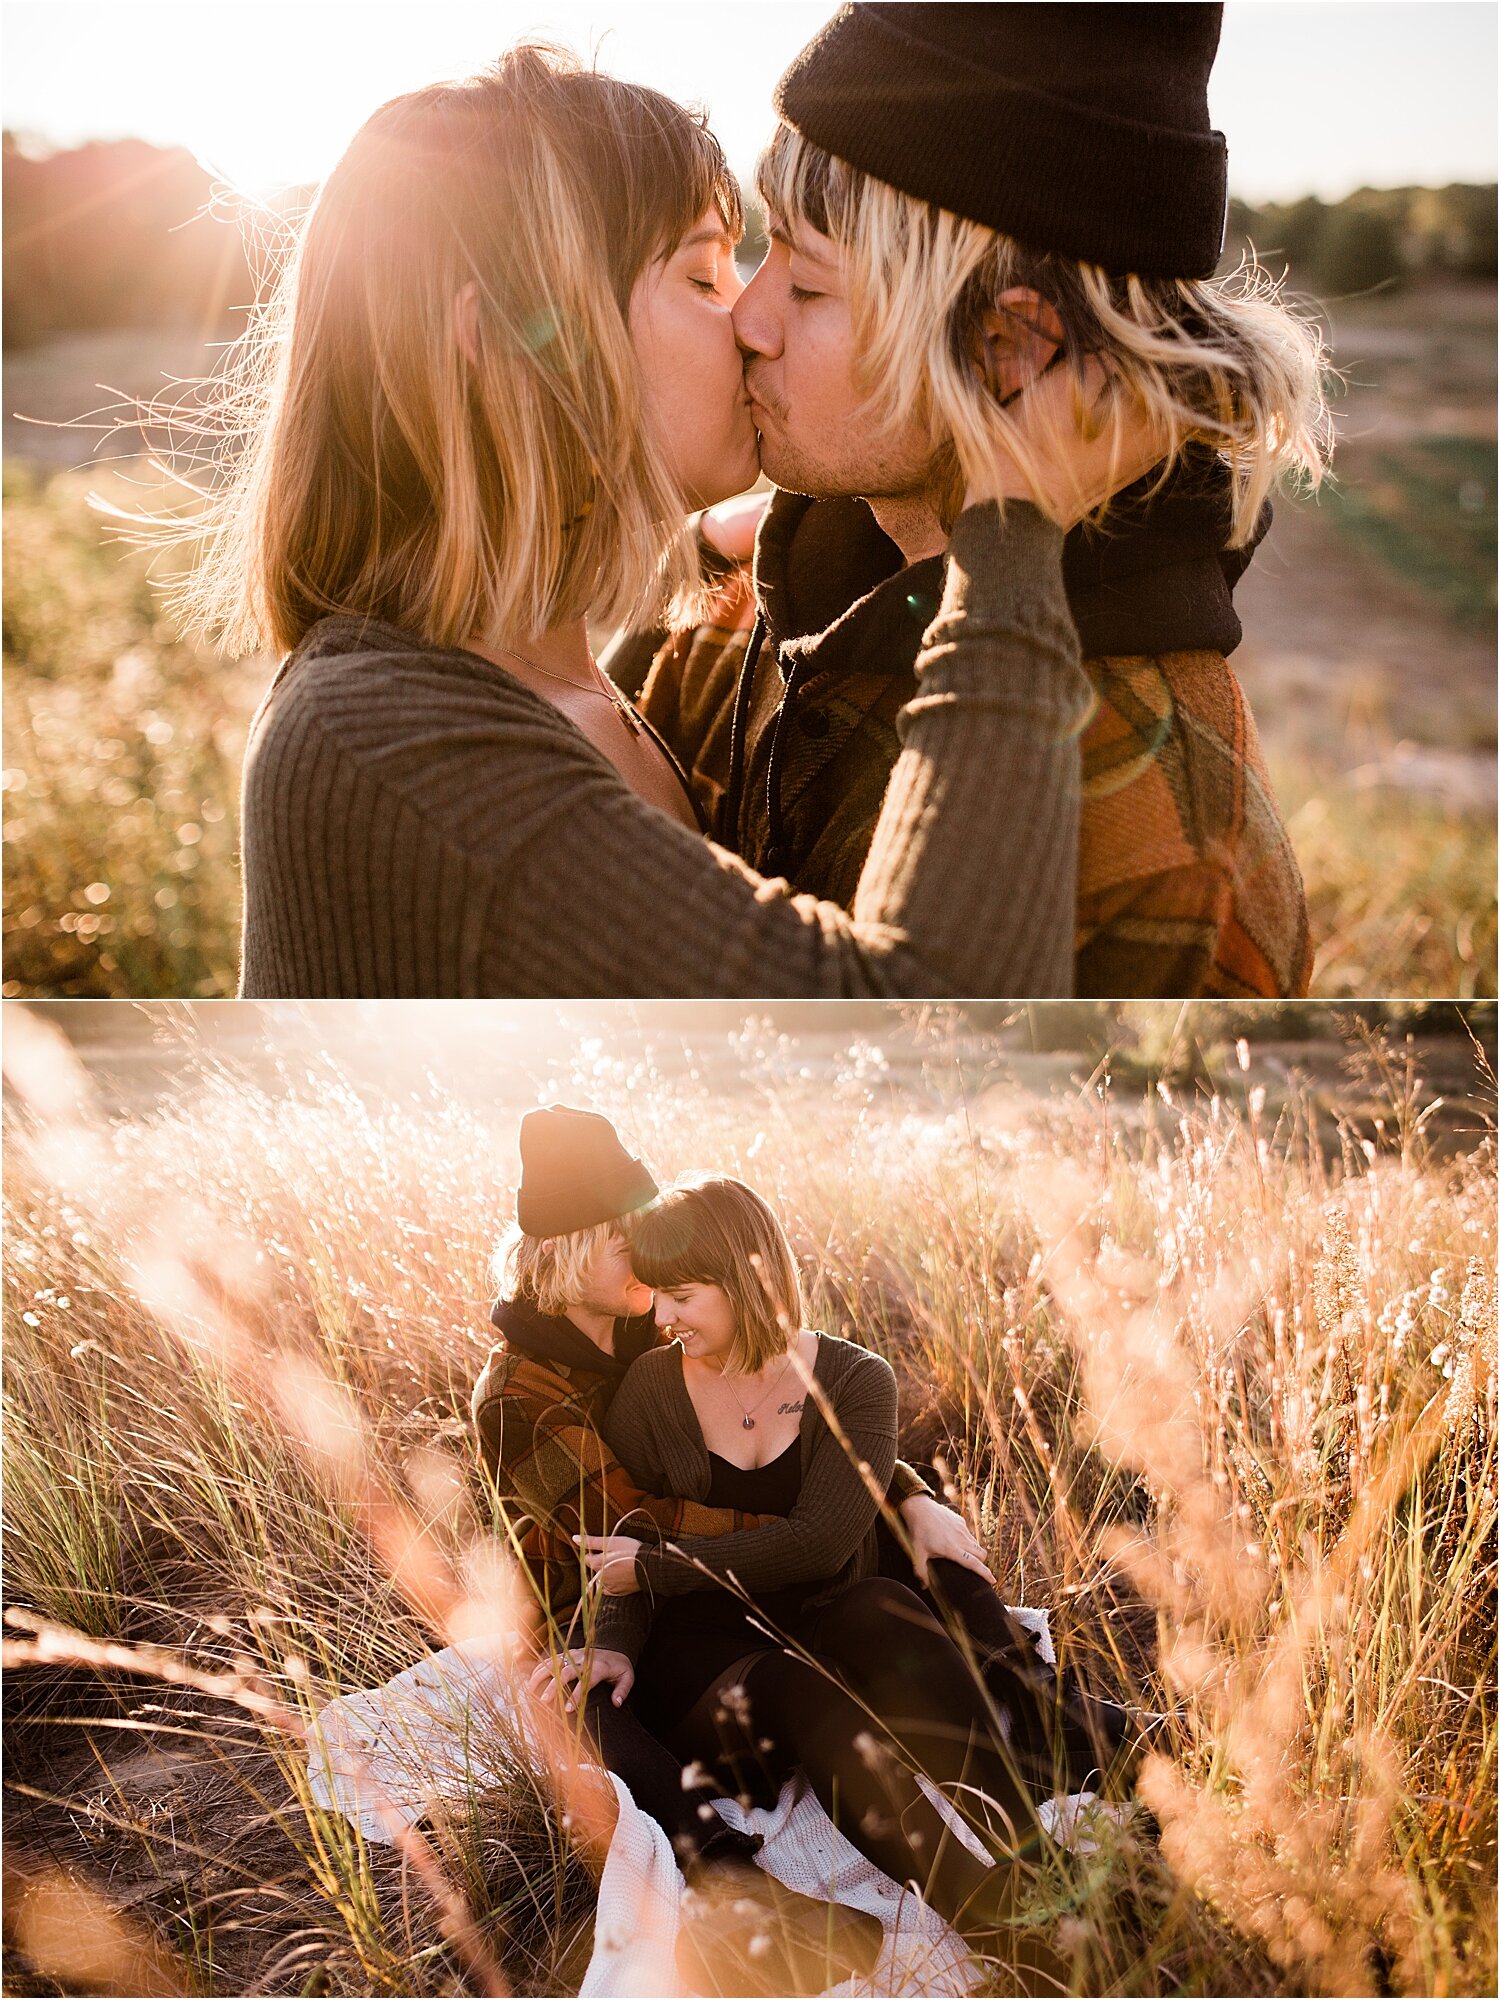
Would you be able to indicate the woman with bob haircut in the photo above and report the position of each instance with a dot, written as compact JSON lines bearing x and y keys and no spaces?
{"x":749,"y":1409}
{"x":497,"y":374}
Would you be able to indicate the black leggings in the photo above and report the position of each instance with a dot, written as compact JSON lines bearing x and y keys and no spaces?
{"x":1058,"y":1737}
{"x":892,"y":1652}
{"x":780,"y":1713}
{"x":885,"y":1642}
{"x":659,"y":1784}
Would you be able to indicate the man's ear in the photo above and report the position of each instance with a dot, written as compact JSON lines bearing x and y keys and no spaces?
{"x":1022,"y":333}
{"x":466,"y":320}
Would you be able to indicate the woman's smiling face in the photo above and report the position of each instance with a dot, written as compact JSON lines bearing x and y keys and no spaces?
{"x":692,"y":384}
{"x":701,"y":1318}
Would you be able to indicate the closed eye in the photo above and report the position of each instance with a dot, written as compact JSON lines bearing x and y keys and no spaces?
{"x":801,"y":296}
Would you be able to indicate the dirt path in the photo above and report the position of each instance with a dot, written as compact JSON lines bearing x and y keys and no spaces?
{"x":1341,"y":656}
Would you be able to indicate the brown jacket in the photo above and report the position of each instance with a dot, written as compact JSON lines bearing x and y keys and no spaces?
{"x":1187,"y":884}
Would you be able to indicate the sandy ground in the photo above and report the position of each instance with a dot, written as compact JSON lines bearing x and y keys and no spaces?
{"x":1338,"y":651}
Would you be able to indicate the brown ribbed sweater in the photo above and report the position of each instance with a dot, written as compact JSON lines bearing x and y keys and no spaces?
{"x":653,"y":1429}
{"x":416,"y":822}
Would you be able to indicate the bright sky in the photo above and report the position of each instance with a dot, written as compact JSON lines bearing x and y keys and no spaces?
{"x":1316,"y":96}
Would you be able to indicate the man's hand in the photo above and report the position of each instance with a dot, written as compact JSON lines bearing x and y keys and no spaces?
{"x":939,"y":1534}
{"x":568,"y":1677}
{"x":612,"y":1560}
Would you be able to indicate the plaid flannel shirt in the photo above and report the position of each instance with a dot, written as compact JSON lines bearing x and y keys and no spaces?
{"x":538,"y":1427}
{"x":1188,"y":886}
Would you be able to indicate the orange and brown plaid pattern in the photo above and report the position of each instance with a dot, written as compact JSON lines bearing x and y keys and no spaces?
{"x":1187,"y":884}
{"x":556,"y":1478}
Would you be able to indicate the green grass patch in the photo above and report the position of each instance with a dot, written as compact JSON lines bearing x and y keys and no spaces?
{"x":122,"y":752}
{"x":1400,"y":886}
{"x":1427,"y":513}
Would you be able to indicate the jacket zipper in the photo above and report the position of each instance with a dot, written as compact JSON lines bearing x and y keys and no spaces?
{"x":775,"y":850}
{"x":738,"y":724}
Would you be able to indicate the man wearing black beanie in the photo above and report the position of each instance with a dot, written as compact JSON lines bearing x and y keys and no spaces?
{"x":961,"y":197}
{"x":571,"y":1318}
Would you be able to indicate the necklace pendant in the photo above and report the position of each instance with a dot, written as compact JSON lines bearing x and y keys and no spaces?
{"x":749,"y":1423}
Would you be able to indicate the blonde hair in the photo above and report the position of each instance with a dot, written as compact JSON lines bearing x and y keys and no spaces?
{"x":376,"y":462}
{"x":550,"y":1272}
{"x":709,"y":1230}
{"x":1219,"y":362}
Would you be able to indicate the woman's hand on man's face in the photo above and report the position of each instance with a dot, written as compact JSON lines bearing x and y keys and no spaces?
{"x":1085,"y":441}
{"x":566,"y":1678}
{"x":612,"y":1560}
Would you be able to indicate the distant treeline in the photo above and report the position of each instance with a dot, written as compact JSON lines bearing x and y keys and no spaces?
{"x":119,"y":234}
{"x":122,"y":234}
{"x":1377,"y":236}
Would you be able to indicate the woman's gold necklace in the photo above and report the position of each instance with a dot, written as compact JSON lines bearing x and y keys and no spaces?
{"x":604,"y":690}
{"x":747,"y":1421}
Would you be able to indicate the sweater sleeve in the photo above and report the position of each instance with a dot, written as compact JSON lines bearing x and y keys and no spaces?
{"x":620,"y":1624}
{"x":970,"y":882}
{"x":601,"y":1498}
{"x":413,"y":823}
{"x":907,"y":1484}
{"x":849,"y":1469}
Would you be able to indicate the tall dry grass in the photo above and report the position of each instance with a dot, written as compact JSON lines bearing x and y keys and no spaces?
{"x":1220,"y":1395}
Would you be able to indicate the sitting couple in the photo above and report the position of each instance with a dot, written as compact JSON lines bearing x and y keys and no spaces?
{"x":722,"y":1471}
{"x":969,"y":731}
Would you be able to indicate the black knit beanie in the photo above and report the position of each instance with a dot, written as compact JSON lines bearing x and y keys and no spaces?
{"x":575,"y":1173}
{"x":1079,"y":129}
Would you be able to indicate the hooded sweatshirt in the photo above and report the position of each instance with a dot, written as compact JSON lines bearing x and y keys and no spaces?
{"x":1187,"y":884}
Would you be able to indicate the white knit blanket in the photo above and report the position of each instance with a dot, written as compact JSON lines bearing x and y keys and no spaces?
{"x":451,"y":1725}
